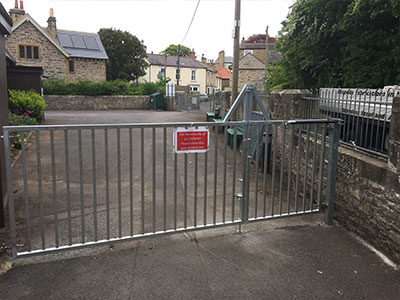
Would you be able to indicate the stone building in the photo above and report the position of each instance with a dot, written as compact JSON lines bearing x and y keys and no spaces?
{"x":62,"y":54}
{"x":251,"y":71}
{"x":254,"y":54}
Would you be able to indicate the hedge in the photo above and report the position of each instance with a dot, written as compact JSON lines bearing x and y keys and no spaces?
{"x":89,"y":88}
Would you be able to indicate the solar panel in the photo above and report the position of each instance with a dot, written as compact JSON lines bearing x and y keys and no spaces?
{"x":78,"y":42}
{"x":91,"y":43}
{"x":65,"y":40}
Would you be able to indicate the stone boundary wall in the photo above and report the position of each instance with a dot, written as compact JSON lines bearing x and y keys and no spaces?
{"x":367,"y":187}
{"x":76,"y":102}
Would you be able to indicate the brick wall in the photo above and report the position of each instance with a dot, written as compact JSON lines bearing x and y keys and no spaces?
{"x":61,"y":102}
{"x":51,"y":59}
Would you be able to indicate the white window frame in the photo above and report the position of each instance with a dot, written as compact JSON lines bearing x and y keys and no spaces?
{"x":247,"y":51}
{"x":193,"y":75}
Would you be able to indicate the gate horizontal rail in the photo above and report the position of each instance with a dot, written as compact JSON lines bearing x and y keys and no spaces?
{"x":82,"y":185}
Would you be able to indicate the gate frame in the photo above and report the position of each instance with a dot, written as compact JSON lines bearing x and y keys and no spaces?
{"x":249,"y":96}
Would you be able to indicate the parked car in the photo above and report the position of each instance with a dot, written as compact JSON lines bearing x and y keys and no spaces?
{"x":203,"y":97}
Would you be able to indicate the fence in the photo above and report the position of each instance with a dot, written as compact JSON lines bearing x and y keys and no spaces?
{"x":81,"y":185}
{"x":366,"y":114}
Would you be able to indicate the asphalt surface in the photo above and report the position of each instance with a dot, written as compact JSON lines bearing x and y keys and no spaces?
{"x":294,"y":258}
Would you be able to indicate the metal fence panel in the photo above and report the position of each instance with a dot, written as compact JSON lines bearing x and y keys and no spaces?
{"x":83,"y":185}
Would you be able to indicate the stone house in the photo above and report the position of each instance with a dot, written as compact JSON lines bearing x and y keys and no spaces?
{"x":251,"y":71}
{"x":62,"y":54}
{"x":254,"y":54}
{"x":193,"y":73}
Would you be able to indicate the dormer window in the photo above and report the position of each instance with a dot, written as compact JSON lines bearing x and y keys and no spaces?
{"x":28,"y":52}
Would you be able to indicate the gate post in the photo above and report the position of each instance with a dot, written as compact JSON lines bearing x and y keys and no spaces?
{"x":334,"y":134}
{"x":247,"y":107}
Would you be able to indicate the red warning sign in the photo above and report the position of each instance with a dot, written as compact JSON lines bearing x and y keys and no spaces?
{"x":191,"y":140}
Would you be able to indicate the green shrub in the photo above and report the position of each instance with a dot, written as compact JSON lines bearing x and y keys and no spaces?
{"x":25,"y":103}
{"x":88,"y":88}
{"x":17,"y":120}
{"x":57,"y":87}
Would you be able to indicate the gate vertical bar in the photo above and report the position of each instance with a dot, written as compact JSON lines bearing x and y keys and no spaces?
{"x":10,"y":195}
{"x":334,"y":134}
{"x":26,"y":198}
{"x":244,"y":205}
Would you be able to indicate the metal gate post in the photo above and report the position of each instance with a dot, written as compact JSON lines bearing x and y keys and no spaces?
{"x":334,"y":134}
{"x":10,"y":195}
{"x":247,"y":107}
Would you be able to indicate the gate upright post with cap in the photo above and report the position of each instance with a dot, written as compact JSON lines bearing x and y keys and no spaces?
{"x":334,"y":135}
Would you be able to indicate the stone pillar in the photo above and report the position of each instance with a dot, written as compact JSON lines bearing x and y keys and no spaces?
{"x":394,"y":136}
{"x":287,"y":105}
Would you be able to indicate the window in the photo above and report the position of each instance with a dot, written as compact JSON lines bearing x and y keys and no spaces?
{"x":71,"y":66}
{"x":28,"y":52}
{"x":162,"y":73}
{"x":193,"y":75}
{"x":21,"y":51}
{"x":194,"y":88}
{"x":248,"y":51}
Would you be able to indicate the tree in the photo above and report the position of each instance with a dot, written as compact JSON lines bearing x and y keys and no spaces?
{"x":340,"y":43}
{"x":173,"y":50}
{"x":126,"y":54}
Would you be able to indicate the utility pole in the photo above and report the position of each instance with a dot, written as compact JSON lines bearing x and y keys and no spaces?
{"x":235,"y":75}
{"x":178,"y":71}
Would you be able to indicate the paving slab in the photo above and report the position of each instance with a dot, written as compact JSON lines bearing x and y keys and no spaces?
{"x":297,"y":258}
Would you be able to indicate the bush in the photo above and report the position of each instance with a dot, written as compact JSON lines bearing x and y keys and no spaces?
{"x":25,"y":119}
{"x":88,"y":88}
{"x":27,"y":103}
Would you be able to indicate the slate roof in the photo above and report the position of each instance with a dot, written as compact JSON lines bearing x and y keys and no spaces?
{"x":228,"y":59}
{"x":9,"y":57}
{"x":159,"y":60}
{"x":70,"y":43}
{"x":81,"y":44}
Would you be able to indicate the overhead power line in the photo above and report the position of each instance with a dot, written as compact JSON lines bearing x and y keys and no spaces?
{"x":191,"y":22}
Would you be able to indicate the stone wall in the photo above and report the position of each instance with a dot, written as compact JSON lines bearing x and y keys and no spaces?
{"x":367,"y":187}
{"x":51,"y":59}
{"x":60,"y":102}
{"x":88,"y":69}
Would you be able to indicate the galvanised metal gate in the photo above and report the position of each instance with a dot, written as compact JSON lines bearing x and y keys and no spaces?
{"x":82,"y":185}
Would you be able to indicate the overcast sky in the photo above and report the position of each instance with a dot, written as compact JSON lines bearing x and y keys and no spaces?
{"x":163,"y":22}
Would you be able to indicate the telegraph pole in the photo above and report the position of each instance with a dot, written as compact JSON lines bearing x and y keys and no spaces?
{"x":235,"y":75}
{"x":178,"y":71}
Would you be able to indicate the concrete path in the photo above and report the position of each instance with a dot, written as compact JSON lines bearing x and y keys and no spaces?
{"x":296,"y":258}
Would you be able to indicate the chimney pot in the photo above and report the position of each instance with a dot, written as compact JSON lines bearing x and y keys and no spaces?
{"x":21,"y":4}
{"x":16,"y":4}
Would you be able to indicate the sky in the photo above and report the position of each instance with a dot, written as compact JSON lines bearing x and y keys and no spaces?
{"x":160,"y":23}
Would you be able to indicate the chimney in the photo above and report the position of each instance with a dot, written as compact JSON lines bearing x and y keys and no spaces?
{"x":17,"y":13}
{"x":221,"y":58}
{"x":192,"y":54}
{"x":203,"y":59}
{"x":52,"y":26}
{"x":144,"y":46}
